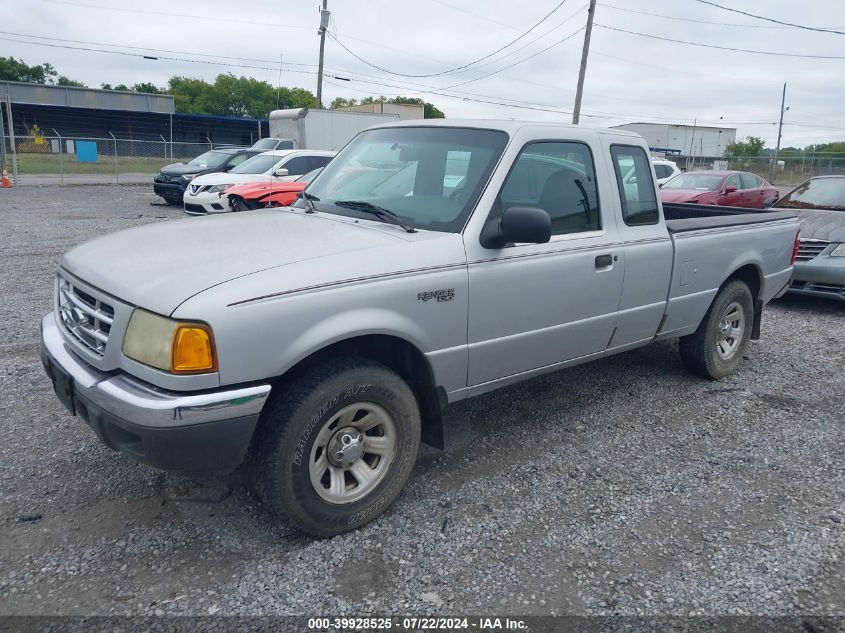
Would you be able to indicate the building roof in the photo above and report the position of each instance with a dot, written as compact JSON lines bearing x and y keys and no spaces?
{"x":70,"y":96}
{"x":696,"y":126}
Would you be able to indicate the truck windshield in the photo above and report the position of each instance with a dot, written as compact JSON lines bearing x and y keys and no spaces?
{"x":428,"y":176}
{"x":700,"y":182}
{"x":819,"y":193}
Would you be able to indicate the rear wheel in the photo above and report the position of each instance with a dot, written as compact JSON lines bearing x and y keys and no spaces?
{"x":338,"y":445}
{"x":716,"y":348}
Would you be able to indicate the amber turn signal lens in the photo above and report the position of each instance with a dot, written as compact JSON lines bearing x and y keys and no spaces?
{"x":193,"y":350}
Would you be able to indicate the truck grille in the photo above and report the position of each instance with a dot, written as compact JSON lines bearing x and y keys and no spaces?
{"x":86,"y":317}
{"x":809,"y":249}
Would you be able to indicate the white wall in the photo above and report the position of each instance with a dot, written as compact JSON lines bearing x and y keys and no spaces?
{"x":706,"y":141}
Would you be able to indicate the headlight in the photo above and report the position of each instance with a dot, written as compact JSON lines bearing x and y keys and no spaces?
{"x":175,"y":346}
{"x":839,"y":251}
{"x":217,"y":188}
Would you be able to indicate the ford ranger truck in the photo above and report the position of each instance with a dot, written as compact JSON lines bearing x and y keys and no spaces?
{"x":427,"y":263}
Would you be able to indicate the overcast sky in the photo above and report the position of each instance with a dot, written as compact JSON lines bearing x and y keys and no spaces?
{"x":629,"y":77}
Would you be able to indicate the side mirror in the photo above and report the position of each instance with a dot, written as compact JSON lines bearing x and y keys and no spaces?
{"x":729,"y":189}
{"x":518,"y":225}
{"x":280,"y":172}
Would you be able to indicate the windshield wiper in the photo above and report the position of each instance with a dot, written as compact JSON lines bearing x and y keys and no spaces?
{"x":309,"y":200}
{"x":385,"y":215}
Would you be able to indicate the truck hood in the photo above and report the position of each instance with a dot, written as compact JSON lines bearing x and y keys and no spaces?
{"x":821,"y":225}
{"x":159,"y":266}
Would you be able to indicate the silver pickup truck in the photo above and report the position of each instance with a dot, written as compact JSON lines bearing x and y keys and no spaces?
{"x":428,"y":263}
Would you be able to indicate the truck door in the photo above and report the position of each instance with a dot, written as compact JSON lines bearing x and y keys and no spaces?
{"x":535,"y":305}
{"x":647,"y":248}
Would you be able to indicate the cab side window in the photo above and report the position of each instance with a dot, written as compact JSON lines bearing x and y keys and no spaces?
{"x":558,"y":178}
{"x":733,"y":181}
{"x":636,"y":185}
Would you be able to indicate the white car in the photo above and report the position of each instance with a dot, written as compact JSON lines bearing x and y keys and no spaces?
{"x":203,"y":194}
{"x":664,"y":169}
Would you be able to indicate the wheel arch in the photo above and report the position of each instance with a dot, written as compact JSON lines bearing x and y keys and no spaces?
{"x":401,"y":356}
{"x":752,"y":276}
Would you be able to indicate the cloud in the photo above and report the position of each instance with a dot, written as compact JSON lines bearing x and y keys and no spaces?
{"x":629,"y":77}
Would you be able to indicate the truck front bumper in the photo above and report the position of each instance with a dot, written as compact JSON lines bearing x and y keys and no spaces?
{"x":197,"y":432}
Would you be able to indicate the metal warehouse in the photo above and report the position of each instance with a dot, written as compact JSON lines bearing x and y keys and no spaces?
{"x":66,"y":112}
{"x":675,"y":139}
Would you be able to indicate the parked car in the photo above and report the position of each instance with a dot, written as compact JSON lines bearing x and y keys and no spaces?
{"x":271,"y":144}
{"x":202,"y":195}
{"x":324,"y":340}
{"x":820,"y":267}
{"x":725,"y":188}
{"x":170,"y":183}
{"x":664,"y":169}
{"x":258,"y":195}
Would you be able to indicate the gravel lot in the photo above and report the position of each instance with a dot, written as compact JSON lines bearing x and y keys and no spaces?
{"x":623,"y":486}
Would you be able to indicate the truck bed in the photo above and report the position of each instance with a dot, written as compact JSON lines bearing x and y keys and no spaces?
{"x":710,"y":244}
{"x":691,"y":217}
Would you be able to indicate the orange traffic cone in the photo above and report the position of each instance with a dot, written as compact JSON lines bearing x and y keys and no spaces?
{"x":6,"y":183}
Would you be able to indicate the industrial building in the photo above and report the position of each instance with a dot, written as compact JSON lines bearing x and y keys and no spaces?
{"x":670,"y":139}
{"x":91,"y":113}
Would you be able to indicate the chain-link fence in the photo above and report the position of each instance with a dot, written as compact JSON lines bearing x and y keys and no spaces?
{"x":40,"y":160}
{"x":786,"y":170}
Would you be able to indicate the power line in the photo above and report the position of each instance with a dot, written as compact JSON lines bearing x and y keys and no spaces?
{"x":456,"y":68}
{"x":767,"y":19}
{"x":195,"y":16}
{"x":477,"y":15}
{"x":521,"y":61}
{"x":672,"y":17}
{"x":144,"y":48}
{"x":724,"y":48}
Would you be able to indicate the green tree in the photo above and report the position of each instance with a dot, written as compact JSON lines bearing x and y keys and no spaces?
{"x":751,"y":146}
{"x":430,"y":111}
{"x":147,"y":87}
{"x":235,"y":96}
{"x":64,"y":81}
{"x":341,"y":102}
{"x":12,"y":69}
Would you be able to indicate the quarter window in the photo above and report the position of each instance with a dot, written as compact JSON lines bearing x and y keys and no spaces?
{"x":636,"y":185}
{"x":558,"y":178}
{"x":296,"y":166}
{"x":749,"y":181}
{"x":237,"y":160}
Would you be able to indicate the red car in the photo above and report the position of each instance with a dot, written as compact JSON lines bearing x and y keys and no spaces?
{"x":257,"y":195}
{"x":724,"y":188}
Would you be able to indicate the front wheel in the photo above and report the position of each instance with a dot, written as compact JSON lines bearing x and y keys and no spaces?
{"x":716,"y":348}
{"x":338,"y":445}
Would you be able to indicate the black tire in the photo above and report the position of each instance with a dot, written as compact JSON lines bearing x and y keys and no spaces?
{"x":700,"y":351}
{"x":291,"y":423}
{"x":173,"y":201}
{"x":238,"y":204}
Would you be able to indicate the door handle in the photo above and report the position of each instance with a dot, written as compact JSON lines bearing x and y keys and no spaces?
{"x":603,"y":261}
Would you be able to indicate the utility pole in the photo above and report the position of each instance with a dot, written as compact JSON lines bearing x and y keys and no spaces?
{"x":579,"y":93}
{"x":2,"y":143}
{"x":780,"y":130}
{"x":324,"y":24}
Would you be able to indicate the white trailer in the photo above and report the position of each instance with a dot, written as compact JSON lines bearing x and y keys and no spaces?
{"x":322,"y":129}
